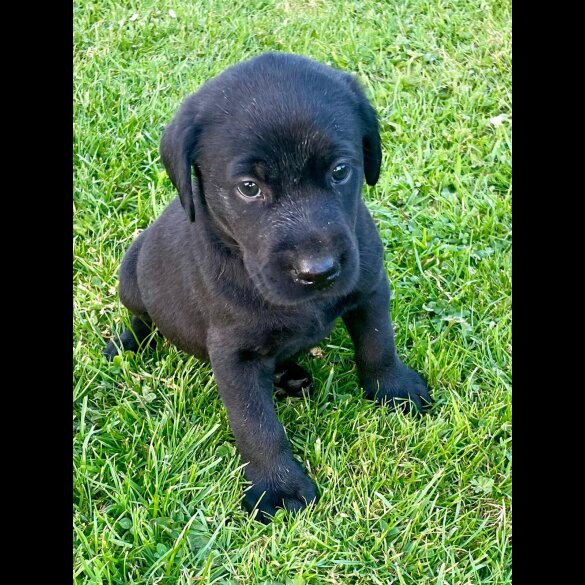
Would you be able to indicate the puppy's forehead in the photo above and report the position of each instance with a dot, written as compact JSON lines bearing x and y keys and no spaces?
{"x":289,"y":144}
{"x":285,"y":135}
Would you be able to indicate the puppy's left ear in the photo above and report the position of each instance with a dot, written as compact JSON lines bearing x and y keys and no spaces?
{"x":177,"y":149}
{"x":371,"y":142}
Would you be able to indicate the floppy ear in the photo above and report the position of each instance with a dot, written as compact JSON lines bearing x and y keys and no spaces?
{"x":177,"y":150}
{"x":371,"y":142}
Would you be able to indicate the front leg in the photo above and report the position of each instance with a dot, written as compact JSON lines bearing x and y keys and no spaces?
{"x":382,"y":375}
{"x":245,"y":383}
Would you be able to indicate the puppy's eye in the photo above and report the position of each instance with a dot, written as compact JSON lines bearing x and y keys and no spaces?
{"x":249,"y":189}
{"x":340,"y":173}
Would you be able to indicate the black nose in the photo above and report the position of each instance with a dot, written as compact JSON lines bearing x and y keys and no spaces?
{"x":317,"y":272}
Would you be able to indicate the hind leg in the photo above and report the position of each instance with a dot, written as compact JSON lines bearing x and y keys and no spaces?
{"x":132,"y":338}
{"x":140,"y":325}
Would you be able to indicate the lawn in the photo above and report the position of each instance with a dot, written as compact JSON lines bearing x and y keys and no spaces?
{"x":157,"y":481}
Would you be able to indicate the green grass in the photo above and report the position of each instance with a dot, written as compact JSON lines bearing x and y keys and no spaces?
{"x":157,"y":481}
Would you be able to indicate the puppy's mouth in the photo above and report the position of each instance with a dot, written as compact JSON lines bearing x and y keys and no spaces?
{"x":310,"y":283}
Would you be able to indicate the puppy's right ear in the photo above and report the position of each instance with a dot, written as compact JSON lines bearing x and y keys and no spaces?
{"x":177,"y":150}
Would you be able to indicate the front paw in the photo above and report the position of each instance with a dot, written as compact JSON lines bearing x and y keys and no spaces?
{"x":401,"y":387}
{"x":283,"y":485}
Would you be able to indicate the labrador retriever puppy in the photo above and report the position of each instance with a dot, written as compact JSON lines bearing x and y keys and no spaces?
{"x":267,"y":244}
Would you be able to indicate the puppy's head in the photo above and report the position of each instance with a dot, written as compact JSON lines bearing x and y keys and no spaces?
{"x":280,"y":146}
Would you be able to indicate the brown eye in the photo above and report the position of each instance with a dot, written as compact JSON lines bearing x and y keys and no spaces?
{"x":340,"y":172}
{"x":249,"y":189}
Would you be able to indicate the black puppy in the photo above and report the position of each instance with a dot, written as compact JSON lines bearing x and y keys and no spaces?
{"x":267,"y":244}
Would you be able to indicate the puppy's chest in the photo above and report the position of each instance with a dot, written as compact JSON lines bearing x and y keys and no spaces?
{"x":292,"y":333}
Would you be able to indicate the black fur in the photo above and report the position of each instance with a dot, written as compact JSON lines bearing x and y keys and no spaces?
{"x":225,"y":277}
